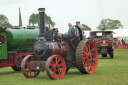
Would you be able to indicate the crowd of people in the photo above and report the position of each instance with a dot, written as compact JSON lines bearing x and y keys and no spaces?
{"x":118,"y":42}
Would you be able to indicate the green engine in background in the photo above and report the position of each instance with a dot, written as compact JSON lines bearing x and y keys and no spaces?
{"x":21,"y":39}
{"x":3,"y":46}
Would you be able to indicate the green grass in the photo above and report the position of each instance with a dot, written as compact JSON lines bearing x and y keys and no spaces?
{"x":109,"y":72}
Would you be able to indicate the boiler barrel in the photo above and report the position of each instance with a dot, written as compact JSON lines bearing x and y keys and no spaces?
{"x":21,"y":38}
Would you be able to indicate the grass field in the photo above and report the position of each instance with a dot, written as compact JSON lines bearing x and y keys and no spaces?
{"x":109,"y":72}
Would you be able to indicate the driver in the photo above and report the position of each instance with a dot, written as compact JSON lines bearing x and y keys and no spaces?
{"x":82,"y":29}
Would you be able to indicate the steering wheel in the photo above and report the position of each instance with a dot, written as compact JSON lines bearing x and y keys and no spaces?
{"x":74,"y":36}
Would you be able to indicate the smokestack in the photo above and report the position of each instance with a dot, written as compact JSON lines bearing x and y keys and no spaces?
{"x":20,"y":20}
{"x":41,"y":22}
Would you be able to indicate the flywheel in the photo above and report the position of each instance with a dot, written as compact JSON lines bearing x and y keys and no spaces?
{"x":74,"y":36}
{"x":86,"y":57}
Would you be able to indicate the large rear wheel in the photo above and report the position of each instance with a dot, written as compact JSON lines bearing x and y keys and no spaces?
{"x":86,"y":57}
{"x":55,"y":67}
{"x":25,"y":67}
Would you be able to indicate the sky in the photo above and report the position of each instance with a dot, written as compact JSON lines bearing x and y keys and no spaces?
{"x":62,"y":12}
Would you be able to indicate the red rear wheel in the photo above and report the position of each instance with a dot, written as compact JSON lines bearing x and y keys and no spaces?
{"x":25,"y":67}
{"x":90,"y":57}
{"x":55,"y":67}
{"x":86,"y":57}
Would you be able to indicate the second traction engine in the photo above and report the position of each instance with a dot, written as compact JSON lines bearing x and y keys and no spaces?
{"x":56,"y":54}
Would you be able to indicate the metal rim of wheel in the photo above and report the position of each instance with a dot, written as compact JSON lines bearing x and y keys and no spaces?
{"x":25,"y":67}
{"x":86,"y":57}
{"x":55,"y":67}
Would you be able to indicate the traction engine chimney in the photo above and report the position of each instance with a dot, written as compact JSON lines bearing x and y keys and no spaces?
{"x":41,"y":23}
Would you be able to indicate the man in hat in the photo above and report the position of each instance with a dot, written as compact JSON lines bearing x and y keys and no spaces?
{"x":82,"y":29}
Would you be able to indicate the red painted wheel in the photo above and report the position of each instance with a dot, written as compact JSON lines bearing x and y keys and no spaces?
{"x":18,"y":60}
{"x":25,"y":67}
{"x":55,"y":67}
{"x":87,"y":58}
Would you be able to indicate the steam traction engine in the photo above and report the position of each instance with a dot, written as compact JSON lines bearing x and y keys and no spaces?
{"x":56,"y":54}
{"x":104,"y":42}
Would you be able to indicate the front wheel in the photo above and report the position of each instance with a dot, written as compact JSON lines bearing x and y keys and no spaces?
{"x":111,"y":54}
{"x":25,"y":67}
{"x":55,"y":67}
{"x":104,"y":55}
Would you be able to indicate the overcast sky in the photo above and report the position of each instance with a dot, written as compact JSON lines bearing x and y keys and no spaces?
{"x":89,"y":12}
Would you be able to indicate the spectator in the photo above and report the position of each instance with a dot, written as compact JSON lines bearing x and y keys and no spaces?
{"x":119,"y":43}
{"x":91,"y":37}
{"x":78,"y":24}
{"x":70,"y":25}
{"x":122,"y":40}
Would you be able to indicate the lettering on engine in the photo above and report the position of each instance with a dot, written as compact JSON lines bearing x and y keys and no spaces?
{"x":27,"y":35}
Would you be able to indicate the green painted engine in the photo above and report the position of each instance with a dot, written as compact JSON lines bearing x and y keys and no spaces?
{"x":17,"y":40}
{"x":21,"y":39}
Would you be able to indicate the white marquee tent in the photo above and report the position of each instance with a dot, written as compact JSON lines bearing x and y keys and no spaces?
{"x":120,"y":33}
{"x":117,"y":33}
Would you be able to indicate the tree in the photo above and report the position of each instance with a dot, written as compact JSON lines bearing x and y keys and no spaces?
{"x":34,"y":19}
{"x":86,"y":27}
{"x":110,"y":24}
{"x":4,"y":21}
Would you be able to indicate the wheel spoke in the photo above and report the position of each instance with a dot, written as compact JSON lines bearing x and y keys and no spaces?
{"x":91,"y":68}
{"x":92,"y":50}
{"x":73,"y":38}
{"x":73,"y":33}
{"x":85,"y":58}
{"x":50,"y":69}
{"x":85,"y":53}
{"x":93,"y":59}
{"x":60,"y":65}
{"x":27,"y":72}
{"x":53,"y":73}
{"x":87,"y":66}
{"x":60,"y":69}
{"x":51,"y":64}
{"x":56,"y":60}
{"x":30,"y":73}
{"x":88,"y":46}
{"x":85,"y":63}
{"x":86,"y":49}
{"x":77,"y":40}
{"x":59,"y":72}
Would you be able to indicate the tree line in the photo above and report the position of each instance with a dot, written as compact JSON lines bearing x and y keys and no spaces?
{"x":105,"y":24}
